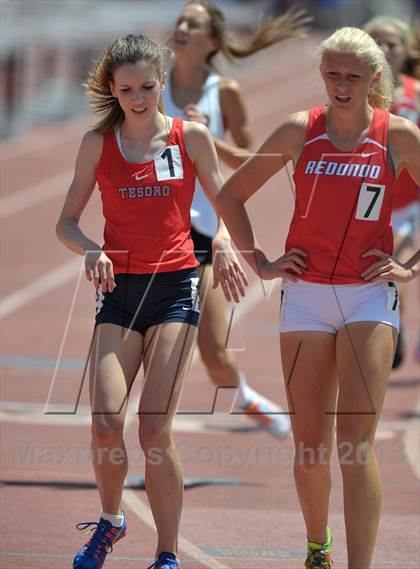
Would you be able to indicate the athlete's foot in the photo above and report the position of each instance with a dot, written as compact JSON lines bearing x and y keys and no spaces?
{"x":104,"y":536}
{"x":266,"y":414}
{"x":165,"y":560}
{"x":319,"y":554}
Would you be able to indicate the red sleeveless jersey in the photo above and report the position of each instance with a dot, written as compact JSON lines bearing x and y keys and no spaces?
{"x":147,"y":206}
{"x":343,"y":202}
{"x":406,"y":189}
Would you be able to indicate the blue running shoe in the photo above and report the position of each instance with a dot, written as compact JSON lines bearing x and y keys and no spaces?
{"x":92,"y":555}
{"x":165,"y":560}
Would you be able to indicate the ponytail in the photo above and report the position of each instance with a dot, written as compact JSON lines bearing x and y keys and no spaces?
{"x":291,"y":24}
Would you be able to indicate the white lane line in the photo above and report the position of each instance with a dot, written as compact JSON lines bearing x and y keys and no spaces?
{"x":38,"y":419}
{"x":412,"y":441}
{"x":216,"y":424}
{"x":63,"y":415}
{"x":36,"y":194}
{"x":384,"y":435}
{"x":45,"y":139}
{"x":39,"y":287}
{"x":64,"y":556}
{"x":139,"y":508}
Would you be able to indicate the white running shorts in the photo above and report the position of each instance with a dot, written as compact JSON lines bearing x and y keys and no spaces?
{"x":327,"y":308}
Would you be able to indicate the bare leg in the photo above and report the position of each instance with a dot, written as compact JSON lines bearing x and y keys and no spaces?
{"x":115,"y":360}
{"x":404,"y":248}
{"x":309,"y":368}
{"x":364,"y":357}
{"x":213,"y":333}
{"x":168,"y":353}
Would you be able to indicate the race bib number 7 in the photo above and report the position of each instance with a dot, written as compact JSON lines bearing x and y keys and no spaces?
{"x":168,"y":165}
{"x":370,"y":201}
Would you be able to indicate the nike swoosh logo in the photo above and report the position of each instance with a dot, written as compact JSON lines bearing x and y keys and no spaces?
{"x":136,"y":177}
{"x":367,"y":154}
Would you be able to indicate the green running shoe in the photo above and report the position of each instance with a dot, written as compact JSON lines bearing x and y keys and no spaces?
{"x":319,"y":555}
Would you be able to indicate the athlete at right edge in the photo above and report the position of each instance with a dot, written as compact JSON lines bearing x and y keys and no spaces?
{"x":395,"y":39}
{"x":339,"y":314}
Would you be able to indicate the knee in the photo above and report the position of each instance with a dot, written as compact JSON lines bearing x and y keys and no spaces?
{"x":311,"y":457}
{"x":153,"y":435}
{"x":107,"y":431}
{"x":354,"y":446}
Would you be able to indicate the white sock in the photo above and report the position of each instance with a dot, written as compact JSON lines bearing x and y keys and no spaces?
{"x":116,"y":521}
{"x":245,"y":393}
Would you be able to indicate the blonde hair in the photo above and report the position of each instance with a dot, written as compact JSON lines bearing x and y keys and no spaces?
{"x":409,"y":36}
{"x":289,"y":25}
{"x":400,"y":27}
{"x":359,"y":42}
{"x":127,"y":49}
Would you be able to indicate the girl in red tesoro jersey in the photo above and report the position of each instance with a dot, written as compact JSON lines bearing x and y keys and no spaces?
{"x":196,"y":91}
{"x":145,"y":164}
{"x":339,"y":312}
{"x":395,"y":39}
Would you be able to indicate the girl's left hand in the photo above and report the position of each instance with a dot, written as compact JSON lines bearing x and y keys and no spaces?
{"x":386,"y":269}
{"x":193,"y":114}
{"x":227,"y":270}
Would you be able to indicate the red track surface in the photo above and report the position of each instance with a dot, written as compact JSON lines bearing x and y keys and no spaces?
{"x":253,"y":525}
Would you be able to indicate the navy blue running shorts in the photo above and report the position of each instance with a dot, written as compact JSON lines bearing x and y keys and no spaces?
{"x":141,"y":301}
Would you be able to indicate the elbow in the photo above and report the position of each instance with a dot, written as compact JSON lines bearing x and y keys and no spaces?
{"x":221,"y":199}
{"x":227,"y":203}
{"x":61,"y":228}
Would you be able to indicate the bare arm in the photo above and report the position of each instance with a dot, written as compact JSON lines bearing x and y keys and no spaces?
{"x":98,"y":266}
{"x":235,"y":120}
{"x":284,"y":144}
{"x":202,"y":152}
{"x":404,"y":139}
{"x":413,"y":265}
{"x":78,"y":195}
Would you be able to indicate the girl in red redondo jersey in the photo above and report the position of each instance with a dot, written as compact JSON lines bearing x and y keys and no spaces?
{"x":339,"y":310}
{"x":196,"y":91}
{"x":145,"y":164}
{"x":395,"y":39}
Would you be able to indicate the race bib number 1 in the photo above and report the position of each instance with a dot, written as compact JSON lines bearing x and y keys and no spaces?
{"x":168,"y":165}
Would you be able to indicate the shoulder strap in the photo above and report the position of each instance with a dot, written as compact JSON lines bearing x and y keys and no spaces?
{"x":108,"y":148}
{"x":316,"y":122}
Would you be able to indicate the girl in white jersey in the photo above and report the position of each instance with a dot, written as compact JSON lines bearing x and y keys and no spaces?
{"x":337,"y":340}
{"x":195,"y":91}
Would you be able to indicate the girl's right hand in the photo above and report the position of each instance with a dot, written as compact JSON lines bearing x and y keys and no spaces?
{"x":292,"y":262}
{"x":99,"y":270}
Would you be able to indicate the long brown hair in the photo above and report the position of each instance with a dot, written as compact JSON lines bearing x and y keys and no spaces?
{"x":126,"y":49}
{"x":291,"y":24}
